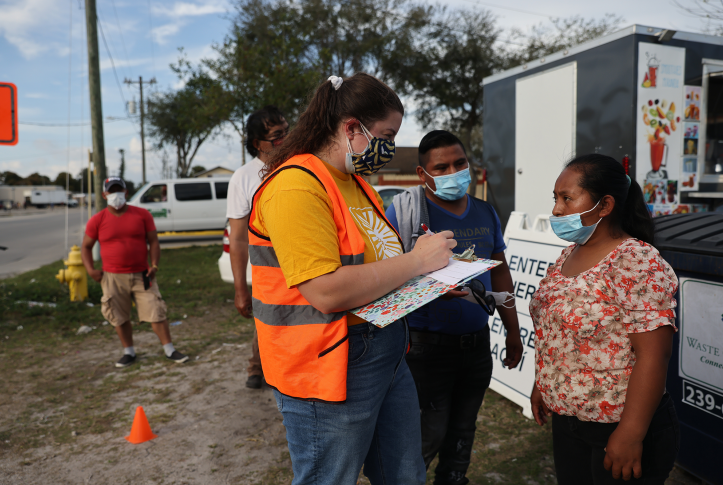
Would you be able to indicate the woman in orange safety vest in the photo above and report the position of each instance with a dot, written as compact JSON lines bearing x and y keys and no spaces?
{"x":320,"y":246}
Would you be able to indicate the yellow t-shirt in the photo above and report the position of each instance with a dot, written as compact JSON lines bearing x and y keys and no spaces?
{"x":295,"y":211}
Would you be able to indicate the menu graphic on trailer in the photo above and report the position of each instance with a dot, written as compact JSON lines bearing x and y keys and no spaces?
{"x":659,"y":134}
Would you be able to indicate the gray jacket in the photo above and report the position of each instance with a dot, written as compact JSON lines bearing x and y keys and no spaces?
{"x":411,"y":209}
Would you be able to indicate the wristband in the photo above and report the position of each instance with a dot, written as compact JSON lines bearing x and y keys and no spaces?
{"x":154,"y":267}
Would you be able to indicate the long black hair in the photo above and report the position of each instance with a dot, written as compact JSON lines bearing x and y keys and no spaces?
{"x":601,"y":175}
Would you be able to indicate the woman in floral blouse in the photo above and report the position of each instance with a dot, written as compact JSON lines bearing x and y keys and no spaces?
{"x":604,"y":320}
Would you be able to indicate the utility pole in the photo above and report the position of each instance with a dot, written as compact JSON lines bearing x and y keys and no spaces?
{"x":96,"y":108}
{"x":122,"y":170}
{"x":90,"y":185}
{"x":143,"y":135}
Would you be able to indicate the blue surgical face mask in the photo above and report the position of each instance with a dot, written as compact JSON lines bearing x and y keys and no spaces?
{"x":453,"y":186}
{"x":570,"y":228}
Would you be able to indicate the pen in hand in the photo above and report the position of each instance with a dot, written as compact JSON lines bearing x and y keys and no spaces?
{"x":426,"y":230}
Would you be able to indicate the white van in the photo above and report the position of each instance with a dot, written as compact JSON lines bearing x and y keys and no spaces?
{"x":192,"y":204}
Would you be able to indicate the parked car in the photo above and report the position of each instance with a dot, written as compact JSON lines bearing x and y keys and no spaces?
{"x":387,"y":192}
{"x":185,"y":204}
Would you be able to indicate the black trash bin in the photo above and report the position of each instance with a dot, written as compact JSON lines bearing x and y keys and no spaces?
{"x":693,"y":245}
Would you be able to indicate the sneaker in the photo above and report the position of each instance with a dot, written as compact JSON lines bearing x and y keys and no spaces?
{"x":178,"y":357}
{"x":126,"y":360}
{"x":254,"y":382}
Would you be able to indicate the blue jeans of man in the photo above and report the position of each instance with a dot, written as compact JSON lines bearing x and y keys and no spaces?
{"x":378,"y":426}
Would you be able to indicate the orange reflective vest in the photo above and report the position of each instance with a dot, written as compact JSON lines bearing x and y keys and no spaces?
{"x":304,"y":352}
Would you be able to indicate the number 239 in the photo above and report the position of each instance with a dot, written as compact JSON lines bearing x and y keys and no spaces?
{"x":700,"y":399}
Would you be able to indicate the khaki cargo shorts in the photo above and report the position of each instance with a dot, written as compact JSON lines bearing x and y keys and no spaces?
{"x":119,"y":290}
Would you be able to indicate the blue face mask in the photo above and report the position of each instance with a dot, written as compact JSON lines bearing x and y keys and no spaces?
{"x":570,"y":228}
{"x":453,"y":186}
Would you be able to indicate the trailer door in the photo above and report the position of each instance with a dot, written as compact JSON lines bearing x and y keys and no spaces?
{"x":545,"y":119}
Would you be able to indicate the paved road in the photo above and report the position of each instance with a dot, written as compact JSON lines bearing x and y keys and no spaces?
{"x":37,"y":237}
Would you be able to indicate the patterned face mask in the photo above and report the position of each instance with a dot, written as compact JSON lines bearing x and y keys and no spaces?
{"x":378,"y":153}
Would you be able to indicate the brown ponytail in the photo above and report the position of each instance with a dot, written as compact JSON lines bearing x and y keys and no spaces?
{"x":360,"y":96}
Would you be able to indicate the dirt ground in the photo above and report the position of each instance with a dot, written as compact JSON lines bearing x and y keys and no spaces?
{"x":65,"y":409}
{"x":211,"y":428}
{"x":66,"y":417}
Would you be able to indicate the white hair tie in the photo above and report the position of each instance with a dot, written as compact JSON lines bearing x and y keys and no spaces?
{"x":336,"y":82}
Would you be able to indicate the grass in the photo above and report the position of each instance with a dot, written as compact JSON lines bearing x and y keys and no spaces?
{"x":188,"y":279}
{"x":56,"y":403}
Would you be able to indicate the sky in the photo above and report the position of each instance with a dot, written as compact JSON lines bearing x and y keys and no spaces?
{"x":43,"y":52}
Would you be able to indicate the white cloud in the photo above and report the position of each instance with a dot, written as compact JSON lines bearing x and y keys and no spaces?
{"x":10,"y":166}
{"x":106,"y":64}
{"x":162,"y":33}
{"x":23,"y":21}
{"x":135,"y":147}
{"x":179,"y":12}
{"x":37,"y":96}
{"x":186,"y":9}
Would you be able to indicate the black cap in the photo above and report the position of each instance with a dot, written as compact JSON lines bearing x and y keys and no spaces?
{"x":111,"y":181}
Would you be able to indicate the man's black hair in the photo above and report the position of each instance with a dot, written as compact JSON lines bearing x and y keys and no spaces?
{"x":257,"y":126}
{"x":437,"y":139}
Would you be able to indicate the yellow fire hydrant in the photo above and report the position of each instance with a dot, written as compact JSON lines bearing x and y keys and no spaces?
{"x":75,"y":275}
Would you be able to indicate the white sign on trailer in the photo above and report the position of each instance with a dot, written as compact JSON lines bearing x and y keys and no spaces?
{"x":701,"y":332}
{"x":531,"y":249}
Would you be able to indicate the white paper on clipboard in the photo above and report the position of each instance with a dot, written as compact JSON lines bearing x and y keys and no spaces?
{"x":457,"y":271}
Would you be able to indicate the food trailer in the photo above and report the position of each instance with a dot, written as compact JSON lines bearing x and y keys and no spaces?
{"x":641,"y":95}
{"x":652,"y":99}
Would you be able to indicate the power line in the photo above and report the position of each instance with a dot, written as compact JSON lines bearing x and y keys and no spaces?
{"x":115,"y":73}
{"x":120,"y":32}
{"x":150,"y":21}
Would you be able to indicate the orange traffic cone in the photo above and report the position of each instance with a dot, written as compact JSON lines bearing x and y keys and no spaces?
{"x":141,"y":430}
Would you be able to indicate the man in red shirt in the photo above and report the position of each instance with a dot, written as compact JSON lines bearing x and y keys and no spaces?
{"x":123,"y":231}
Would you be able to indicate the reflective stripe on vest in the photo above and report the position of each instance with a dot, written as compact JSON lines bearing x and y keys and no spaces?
{"x":290,"y":315}
{"x":266,"y":256}
{"x":304,"y":352}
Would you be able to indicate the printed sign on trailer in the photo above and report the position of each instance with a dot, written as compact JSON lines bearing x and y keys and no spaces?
{"x":701,"y":332}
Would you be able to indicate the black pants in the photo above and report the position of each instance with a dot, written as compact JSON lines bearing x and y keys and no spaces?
{"x":579,"y":448}
{"x":451,"y":383}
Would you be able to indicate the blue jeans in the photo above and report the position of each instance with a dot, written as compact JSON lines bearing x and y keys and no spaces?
{"x":378,"y":426}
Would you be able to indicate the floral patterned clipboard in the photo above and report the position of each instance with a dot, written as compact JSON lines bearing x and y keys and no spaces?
{"x":413,"y":294}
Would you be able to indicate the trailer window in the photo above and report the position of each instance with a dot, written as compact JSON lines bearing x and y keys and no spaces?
{"x":155,"y":193}
{"x":194,"y":191}
{"x":713,"y":154}
{"x":221,"y":189}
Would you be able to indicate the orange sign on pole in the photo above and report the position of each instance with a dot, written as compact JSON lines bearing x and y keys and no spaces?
{"x":8,"y":114}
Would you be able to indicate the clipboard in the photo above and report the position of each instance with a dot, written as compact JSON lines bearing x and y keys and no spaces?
{"x":413,"y":294}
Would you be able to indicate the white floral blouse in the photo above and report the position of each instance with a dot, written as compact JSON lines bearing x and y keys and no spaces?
{"x":583,"y":354}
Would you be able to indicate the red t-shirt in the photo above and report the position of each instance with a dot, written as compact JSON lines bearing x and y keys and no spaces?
{"x":122,"y":239}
